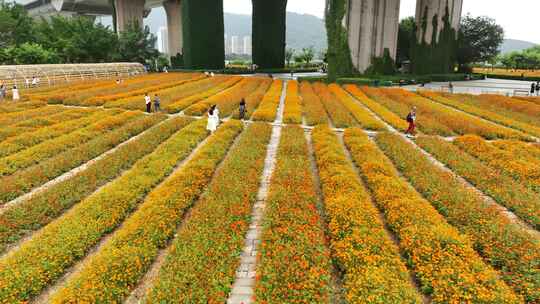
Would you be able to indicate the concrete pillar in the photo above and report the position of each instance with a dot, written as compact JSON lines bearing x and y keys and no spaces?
{"x":426,"y":10}
{"x":372,"y":27}
{"x":128,"y":11}
{"x":173,"y":9}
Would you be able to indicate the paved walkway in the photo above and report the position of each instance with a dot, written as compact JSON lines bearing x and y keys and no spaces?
{"x":477,"y":87}
{"x":243,"y":287}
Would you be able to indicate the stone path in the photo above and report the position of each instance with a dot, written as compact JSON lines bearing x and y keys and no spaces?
{"x":243,"y":287}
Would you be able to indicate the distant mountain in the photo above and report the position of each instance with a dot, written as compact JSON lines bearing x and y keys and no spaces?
{"x":513,"y":45}
{"x":302,"y":30}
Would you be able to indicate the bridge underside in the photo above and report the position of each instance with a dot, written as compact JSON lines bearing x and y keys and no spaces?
{"x":371,"y":26}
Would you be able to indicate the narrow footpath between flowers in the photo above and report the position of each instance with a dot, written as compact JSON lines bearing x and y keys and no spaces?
{"x":242,"y":291}
{"x":488,"y":199}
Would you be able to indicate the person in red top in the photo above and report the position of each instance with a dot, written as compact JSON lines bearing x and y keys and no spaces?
{"x":411,"y":119}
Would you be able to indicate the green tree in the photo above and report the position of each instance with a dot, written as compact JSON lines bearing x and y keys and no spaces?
{"x":406,"y":36}
{"x":29,"y":53}
{"x":308,"y":54}
{"x":137,"y":45}
{"x":16,"y":27}
{"x":78,"y":39}
{"x":479,"y":40}
{"x":289,"y":53}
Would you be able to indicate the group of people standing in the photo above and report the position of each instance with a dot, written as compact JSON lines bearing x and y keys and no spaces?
{"x":14,"y":92}
{"x":535,"y":88}
{"x":148,"y":102}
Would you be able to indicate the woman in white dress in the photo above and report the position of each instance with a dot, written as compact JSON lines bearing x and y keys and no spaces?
{"x":15,"y":93}
{"x":213,"y":119}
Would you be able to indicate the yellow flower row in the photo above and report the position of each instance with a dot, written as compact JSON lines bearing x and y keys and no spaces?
{"x":105,"y":121}
{"x":36,"y":175}
{"x":459,"y":122}
{"x":34,"y":124}
{"x":362,"y":116}
{"x":293,"y":105}
{"x":372,"y":267}
{"x":505,"y":190}
{"x":168,"y":95}
{"x":311,"y":106}
{"x":20,"y":106}
{"x":513,"y":108}
{"x":39,"y":261}
{"x":29,"y":216}
{"x":65,"y":122}
{"x":254,"y":99}
{"x":268,"y":107}
{"x":481,"y":112}
{"x":7,"y":119}
{"x":339,"y":115}
{"x":226,"y":101}
{"x":388,"y":116}
{"x":183,"y":103}
{"x":444,"y":261}
{"x":502,"y":243}
{"x":111,"y":274}
{"x":202,"y":261}
{"x":525,"y":171}
{"x":294,"y":263}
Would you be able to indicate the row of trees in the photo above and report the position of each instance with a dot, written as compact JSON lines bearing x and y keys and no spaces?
{"x":479,"y":40}
{"x":24,"y":40}
{"x":528,"y":59}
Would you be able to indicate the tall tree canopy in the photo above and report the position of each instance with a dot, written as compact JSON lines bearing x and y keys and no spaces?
{"x":24,"y":40}
{"x":479,"y":40}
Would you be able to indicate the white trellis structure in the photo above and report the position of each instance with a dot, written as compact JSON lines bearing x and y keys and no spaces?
{"x":54,"y":74}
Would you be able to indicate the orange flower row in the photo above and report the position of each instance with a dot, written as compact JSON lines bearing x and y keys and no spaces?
{"x":502,"y":243}
{"x":23,"y":181}
{"x":524,"y":170}
{"x":11,"y":118}
{"x":455,"y":102}
{"x":61,"y":124}
{"x":388,"y":116}
{"x":111,"y":274}
{"x":38,"y":123}
{"x":521,"y":110}
{"x":9,"y":107}
{"x":254,"y":99}
{"x":294,"y":262}
{"x":204,"y":256}
{"x":373,"y":271}
{"x":267,"y":110}
{"x":153,"y":88}
{"x":311,"y":106}
{"x":339,"y":115}
{"x":104,"y":122}
{"x":293,"y":105}
{"x":44,"y":258}
{"x":444,"y":261}
{"x":362,"y":116}
{"x":227,"y":100}
{"x":507,"y":192}
{"x":181,"y":104}
{"x":29,"y":216}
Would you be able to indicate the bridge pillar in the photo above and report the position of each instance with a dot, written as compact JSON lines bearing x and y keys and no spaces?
{"x":429,"y":11}
{"x":173,"y":9}
{"x":372,"y":26}
{"x":203,"y":30}
{"x":269,"y":25}
{"x":128,"y":11}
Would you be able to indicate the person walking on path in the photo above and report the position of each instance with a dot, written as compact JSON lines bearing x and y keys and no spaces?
{"x":213,"y":119}
{"x":2,"y":92}
{"x":533,"y":88}
{"x":537,"y":88}
{"x":15,"y":93}
{"x":148,"y":102}
{"x":411,"y":119}
{"x":451,"y":87}
{"x":242,"y":109}
{"x":157,"y":104}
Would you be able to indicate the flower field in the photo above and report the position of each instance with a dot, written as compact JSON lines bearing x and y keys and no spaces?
{"x":316,"y":197}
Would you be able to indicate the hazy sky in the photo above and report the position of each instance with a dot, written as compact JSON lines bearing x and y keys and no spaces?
{"x":519,"y":18}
